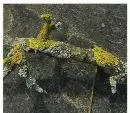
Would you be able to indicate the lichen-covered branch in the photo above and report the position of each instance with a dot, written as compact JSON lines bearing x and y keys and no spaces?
{"x":47,"y":27}
{"x":96,"y":56}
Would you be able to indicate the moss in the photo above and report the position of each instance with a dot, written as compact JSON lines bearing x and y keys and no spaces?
{"x":104,"y":58}
{"x":39,"y":45}
{"x":17,"y":55}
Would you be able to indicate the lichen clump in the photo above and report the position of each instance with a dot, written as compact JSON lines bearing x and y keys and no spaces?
{"x":43,"y":34}
{"x":104,"y":58}
{"x":6,"y":60}
{"x":39,"y":45}
{"x":46,"y":16}
{"x":47,"y":27}
{"x":17,"y":55}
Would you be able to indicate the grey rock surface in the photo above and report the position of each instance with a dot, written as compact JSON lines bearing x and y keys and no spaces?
{"x":67,"y":82}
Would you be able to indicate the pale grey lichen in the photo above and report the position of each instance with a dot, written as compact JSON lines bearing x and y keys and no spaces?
{"x":31,"y":84}
{"x":59,"y":26}
{"x":39,"y":89}
{"x":10,"y":53}
{"x":113,"y":84}
{"x":91,"y":56}
{"x":30,"y":81}
{"x":5,"y":71}
{"x":23,"y":71}
{"x":22,"y":42}
{"x":59,"y":51}
{"x":120,"y":77}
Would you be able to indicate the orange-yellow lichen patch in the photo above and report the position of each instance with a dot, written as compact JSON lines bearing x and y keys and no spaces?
{"x":18,"y":54}
{"x":104,"y":58}
{"x":47,"y":27}
{"x":43,"y":34}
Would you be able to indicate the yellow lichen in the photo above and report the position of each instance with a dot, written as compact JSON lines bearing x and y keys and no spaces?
{"x":18,"y":54}
{"x":104,"y":58}
{"x":38,"y":44}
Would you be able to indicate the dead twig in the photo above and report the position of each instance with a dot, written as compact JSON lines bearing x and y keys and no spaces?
{"x":92,"y":95}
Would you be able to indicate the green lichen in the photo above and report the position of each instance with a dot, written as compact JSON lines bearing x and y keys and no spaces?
{"x":46,"y":16}
{"x":7,"y":66}
{"x":104,"y":58}
{"x":6,"y":60}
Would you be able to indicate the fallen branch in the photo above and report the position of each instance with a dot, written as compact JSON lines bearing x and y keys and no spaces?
{"x":96,"y":56}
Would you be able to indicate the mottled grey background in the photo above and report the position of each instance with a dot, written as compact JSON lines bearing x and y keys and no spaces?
{"x":104,"y":25}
